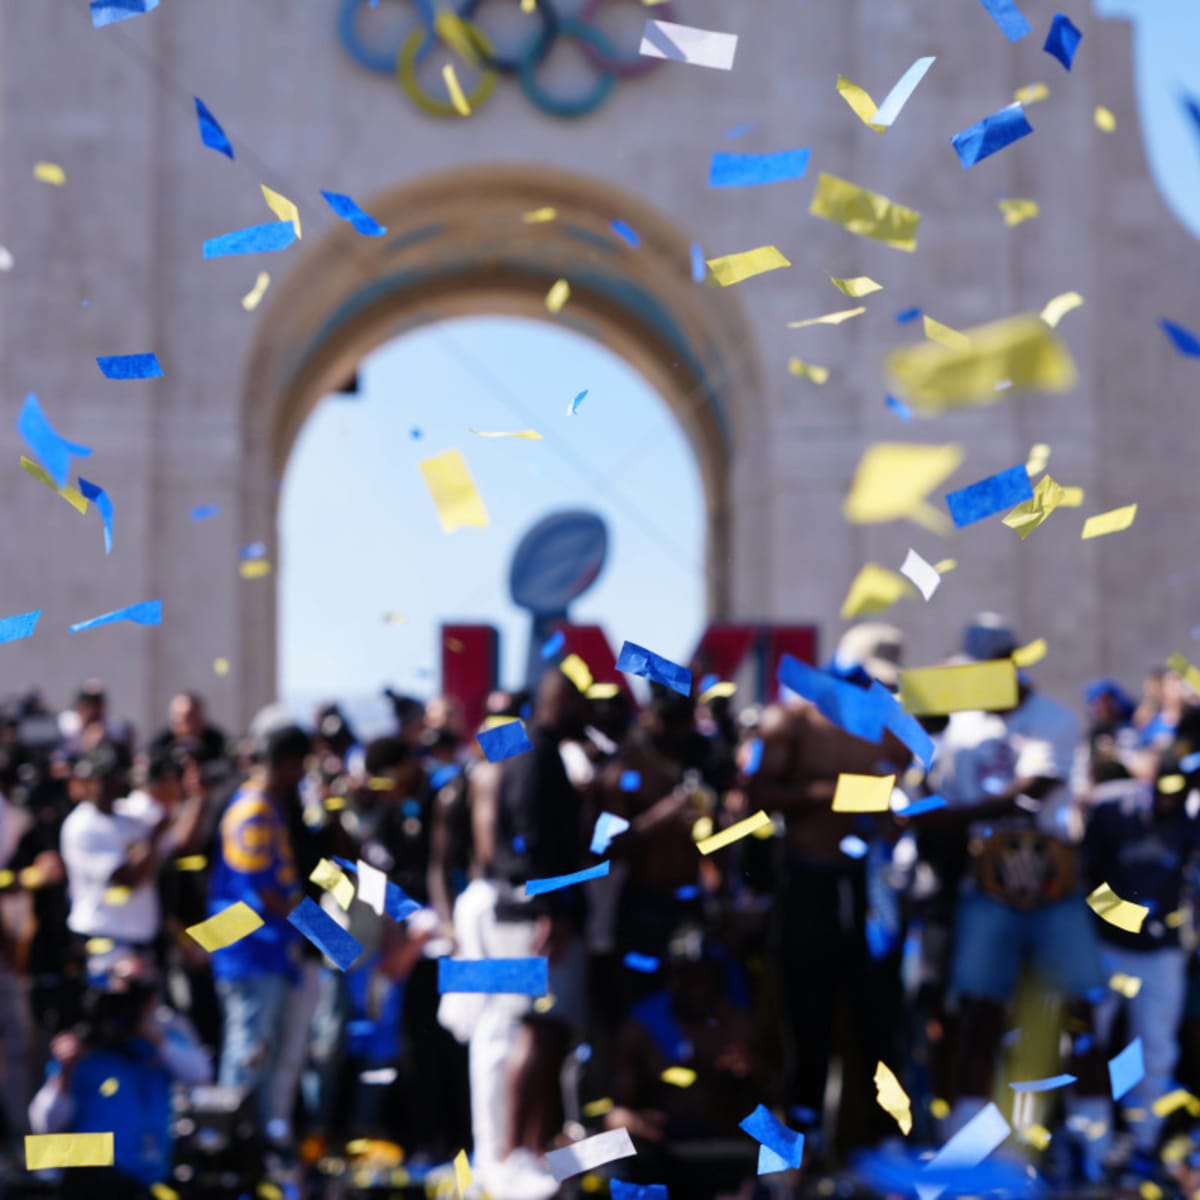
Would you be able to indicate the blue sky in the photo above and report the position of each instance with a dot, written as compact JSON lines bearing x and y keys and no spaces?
{"x":359,"y":535}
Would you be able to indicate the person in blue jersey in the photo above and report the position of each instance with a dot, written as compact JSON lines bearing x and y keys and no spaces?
{"x":253,"y":861}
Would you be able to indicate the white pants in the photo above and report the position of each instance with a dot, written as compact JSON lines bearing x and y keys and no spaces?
{"x":292,"y":1055}
{"x":1154,"y":1016}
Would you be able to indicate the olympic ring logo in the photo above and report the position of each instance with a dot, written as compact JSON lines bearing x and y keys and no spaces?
{"x":460,"y":34}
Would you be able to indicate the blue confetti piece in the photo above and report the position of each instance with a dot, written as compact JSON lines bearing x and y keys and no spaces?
{"x":608,"y":826}
{"x":754,"y":757}
{"x":853,"y":847}
{"x":688,"y":892}
{"x":898,"y":407}
{"x":637,"y":660}
{"x":926,"y":804}
{"x":766,"y":1129}
{"x":903,"y":725}
{"x":325,"y":933}
{"x":738,"y":130}
{"x":397,"y":903}
{"x":753,"y":170}
{"x":699,"y":267}
{"x":100,"y":498}
{"x":204,"y":512}
{"x":1009,"y":17}
{"x":991,"y":135}
{"x":146,"y":612}
{"x":630,"y":781}
{"x":1190,"y":763}
{"x":576,"y":403}
{"x":1043,"y":1085}
{"x":769,"y":1162}
{"x":707,"y":681}
{"x":1186,"y":342}
{"x":900,"y":1172}
{"x":1063,"y":39}
{"x":416,"y":434}
{"x":620,"y":1190}
{"x":443,"y":775}
{"x":54,"y":452}
{"x":130,"y":366}
{"x":851,"y":708}
{"x":555,"y":883}
{"x":109,"y":12}
{"x":345,"y":208}
{"x":13,"y":629}
{"x":503,"y":741}
{"x":642,"y":963}
{"x":980,"y":500}
{"x":906,"y":315}
{"x":494,"y":976}
{"x":211,"y":133}
{"x":254,"y":239}
{"x":553,"y":644}
{"x":1127,"y":1069}
{"x":251,"y":551}
{"x":626,"y":232}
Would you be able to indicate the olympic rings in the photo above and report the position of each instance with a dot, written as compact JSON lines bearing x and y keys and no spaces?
{"x":537,"y":48}
{"x":586,"y":35}
{"x":406,"y":72}
{"x":383,"y":61}
{"x":609,"y":60}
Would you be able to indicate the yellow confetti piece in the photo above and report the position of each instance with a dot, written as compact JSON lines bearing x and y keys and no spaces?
{"x":335,"y":803}
{"x":718,"y":691}
{"x":733,"y":268}
{"x":1183,"y":668}
{"x":803,"y":370}
{"x":71,"y":494}
{"x":1047,"y":496}
{"x":51,"y":173}
{"x":944,"y":565}
{"x":702,"y":829}
{"x":456,"y":93}
{"x":576,"y":670}
{"x":939,"y":1109}
{"x":1124,"y":914}
{"x":1126,"y":985}
{"x":833,"y":318}
{"x":226,"y":927}
{"x":1015,"y":212}
{"x":528,"y":6}
{"x":282,"y":207}
{"x":220,"y":666}
{"x":255,"y":568}
{"x":935,"y":331}
{"x":528,"y":435}
{"x":857,"y":286}
{"x":1019,"y":351}
{"x":255,"y":294}
{"x":462,"y":1172}
{"x":603,"y":691}
{"x":1112,"y":521}
{"x":269,"y":1191}
{"x":597,"y":1108}
{"x":385,"y":783}
{"x":874,"y":590}
{"x":191,"y":862}
{"x":453,"y":31}
{"x":47,"y":1150}
{"x":892,"y":1098}
{"x":860,"y":101}
{"x":1039,"y":458}
{"x":7,"y":878}
{"x":1031,"y":93}
{"x":544,"y":1004}
{"x":1026,"y":656}
{"x":1105,"y":121}
{"x":331,"y":878}
{"x":735,"y":833}
{"x":1037,"y":1136}
{"x":453,"y":490}
{"x":98,"y":946}
{"x":1149,"y":1190}
{"x":680,"y":1077}
{"x":893,"y":479}
{"x":1058,"y":308}
{"x":109,"y":1087}
{"x":1173,"y":1101}
{"x":863,"y":793}
{"x":939,"y":691}
{"x":558,"y":295}
{"x":1171,"y":785}
{"x":160,"y":1191}
{"x":539,"y":216}
{"x":865,"y":213}
{"x":117,"y":896}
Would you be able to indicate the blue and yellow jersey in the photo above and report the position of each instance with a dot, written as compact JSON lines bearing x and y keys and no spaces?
{"x":253,"y":856}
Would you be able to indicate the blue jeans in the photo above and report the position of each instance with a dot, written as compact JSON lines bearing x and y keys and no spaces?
{"x":252,"y":1012}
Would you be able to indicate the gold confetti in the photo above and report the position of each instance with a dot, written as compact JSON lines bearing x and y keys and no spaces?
{"x":558,"y":295}
{"x":892,"y":1098}
{"x":733,"y":268}
{"x":864,"y":107}
{"x":865,"y":213}
{"x":51,"y":173}
{"x":454,"y":493}
{"x":1105,"y":121}
{"x":1031,"y":94}
{"x":944,"y":565}
{"x":873,"y":590}
{"x":462,"y":1165}
{"x":935,"y":331}
{"x":456,"y":93}
{"x":282,"y":207}
{"x":1058,"y":308}
{"x":857,"y":286}
{"x":220,"y":666}
{"x":255,"y":568}
{"x":863,"y":793}
{"x":538,"y":216}
{"x":680,"y":1077}
{"x":576,"y":670}
{"x":1037,"y":1136}
{"x":1126,"y":985}
{"x":47,"y":1150}
{"x":1017,"y":211}
{"x":1026,"y":656}
{"x":1124,"y":914}
{"x":226,"y":927}
{"x":718,"y":841}
{"x":597,"y":1108}
{"x":528,"y":435}
{"x":893,"y":479}
{"x":71,"y":494}
{"x":255,"y":294}
{"x":109,"y":1087}
{"x":798,"y":367}
{"x":1112,"y":521}
{"x":833,"y":318}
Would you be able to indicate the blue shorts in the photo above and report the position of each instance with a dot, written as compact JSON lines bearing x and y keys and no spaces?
{"x":993,"y":941}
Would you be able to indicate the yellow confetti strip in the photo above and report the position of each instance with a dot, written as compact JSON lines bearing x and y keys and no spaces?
{"x":733,"y":268}
{"x":939,"y":691}
{"x":798,"y":367}
{"x":453,"y":31}
{"x":603,"y":691}
{"x":462,"y":1172}
{"x":51,"y":173}
{"x":7,"y":878}
{"x":191,"y":862}
{"x":255,"y":294}
{"x":1017,"y":211}
{"x":718,"y":691}
{"x":893,"y":479}
{"x":558,"y":295}
{"x":269,"y":1191}
{"x":1026,"y":656}
{"x":456,"y":93}
{"x":833,"y":318}
{"x":1126,"y":985}
{"x":1020,"y":351}
{"x":939,"y":1109}
{"x":282,"y":207}
{"x":1173,"y":1101}
{"x":892,"y":1098}
{"x":1058,"y":308}
{"x":576,"y":670}
{"x":1039,"y":457}
{"x":1105,"y":121}
{"x":857,"y":286}
{"x":220,"y":666}
{"x":98,"y":946}
{"x":597,"y":1108}
{"x":538,"y":216}
{"x":109,"y":1087}
{"x":528,"y":435}
{"x":735,"y":833}
{"x":865,"y":213}
{"x":1183,"y":668}
{"x":1031,"y":93}
{"x":1047,"y":496}
{"x":873,"y":590}
{"x":864,"y":107}
{"x":863,"y":793}
{"x":117,"y":896}
{"x":680,"y":1077}
{"x":1149,"y":1190}
{"x":331,"y":878}
{"x":935,"y":331}
{"x":71,"y":494}
{"x":945,"y":565}
{"x":255,"y":568}
{"x":1124,"y":914}
{"x":1171,"y":785}
{"x":528,"y":6}
{"x":47,"y":1150}
{"x":1112,"y":521}
{"x":160,"y":1191}
{"x":228,"y":926}
{"x":1037,"y":1136}
{"x":454,"y":493}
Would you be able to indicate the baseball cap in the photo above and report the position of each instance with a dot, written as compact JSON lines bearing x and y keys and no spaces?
{"x":988,"y":637}
{"x":875,"y":647}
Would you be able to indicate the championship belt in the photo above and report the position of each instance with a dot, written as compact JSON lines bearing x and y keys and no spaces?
{"x":1024,"y":868}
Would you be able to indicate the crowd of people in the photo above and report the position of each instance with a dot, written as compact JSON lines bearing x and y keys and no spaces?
{"x":949,"y":938}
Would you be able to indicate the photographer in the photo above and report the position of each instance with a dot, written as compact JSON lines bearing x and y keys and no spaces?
{"x":114,"y":1075}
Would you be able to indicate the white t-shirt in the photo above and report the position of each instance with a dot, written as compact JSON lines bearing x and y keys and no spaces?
{"x":93,"y":846}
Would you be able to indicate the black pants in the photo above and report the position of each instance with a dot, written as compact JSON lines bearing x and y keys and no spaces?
{"x":101,"y":1183}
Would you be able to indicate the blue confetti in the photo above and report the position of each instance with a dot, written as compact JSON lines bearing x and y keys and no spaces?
{"x":688,"y":892}
{"x":553,"y":644}
{"x":1043,"y":1085}
{"x":1190,"y":763}
{"x":925,"y":805}
{"x":1186,"y":342}
{"x":1063,"y":39}
{"x":255,"y":239}
{"x":1009,"y":17}
{"x":898,"y":407}
{"x":699,"y":266}
{"x":905,"y":315}
{"x":786,"y":1145}
{"x":109,"y":12}
{"x":251,"y":551}
{"x":325,"y":933}
{"x":494,"y":976}
{"x":851,"y":708}
{"x":707,"y":681}
{"x":626,"y":232}
{"x":204,"y":512}
{"x":620,"y":1190}
{"x":630,"y":781}
{"x":991,"y":135}
{"x":853,"y":847}
{"x":637,"y":660}
{"x":130,"y":366}
{"x":53,"y":451}
{"x":416,"y":434}
{"x":345,"y":208}
{"x":903,"y":725}
{"x":100,"y":498}
{"x":1127,"y":1069}
{"x":1192,"y":108}
{"x":738,"y":130}
{"x":752,"y":170}
{"x":554,"y":883}
{"x":146,"y":612}
{"x":643,"y":963}
{"x":576,"y":403}
{"x":211,"y":133}
{"x":13,"y":629}
{"x":443,"y":775}
{"x":608,"y":826}
{"x":980,"y":500}
{"x":503,"y":741}
{"x":753,"y":757}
